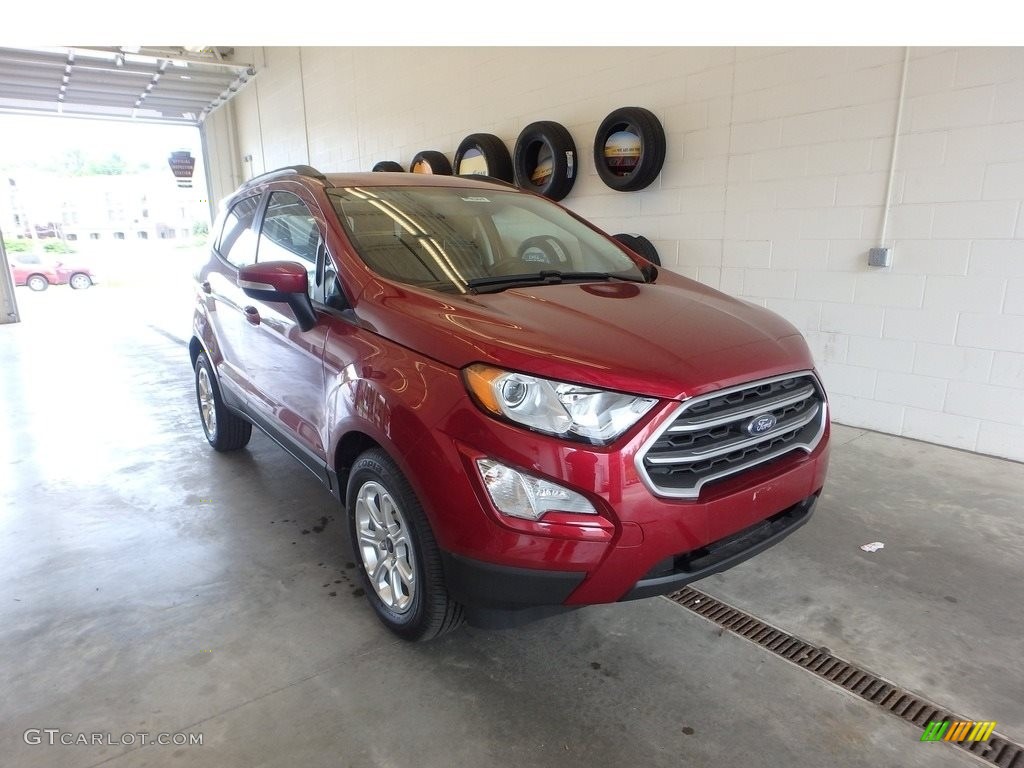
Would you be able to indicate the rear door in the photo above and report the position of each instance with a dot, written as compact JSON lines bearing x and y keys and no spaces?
{"x":234,"y":248}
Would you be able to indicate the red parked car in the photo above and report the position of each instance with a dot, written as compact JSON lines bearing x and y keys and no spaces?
{"x":31,"y":270}
{"x":519,"y":415}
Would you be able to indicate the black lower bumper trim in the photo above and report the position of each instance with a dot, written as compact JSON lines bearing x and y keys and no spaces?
{"x":472,"y":582}
{"x":721,"y":555}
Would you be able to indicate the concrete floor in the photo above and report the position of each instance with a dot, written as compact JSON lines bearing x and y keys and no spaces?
{"x":149,"y":584}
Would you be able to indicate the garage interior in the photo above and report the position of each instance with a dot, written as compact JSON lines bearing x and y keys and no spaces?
{"x":152,"y":585}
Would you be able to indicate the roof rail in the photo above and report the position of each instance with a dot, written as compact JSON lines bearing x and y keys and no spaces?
{"x":297,"y":170}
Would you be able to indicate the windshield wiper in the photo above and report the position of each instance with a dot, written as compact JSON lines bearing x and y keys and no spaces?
{"x":544,"y":277}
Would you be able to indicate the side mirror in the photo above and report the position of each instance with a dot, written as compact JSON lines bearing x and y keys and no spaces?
{"x":283,"y":281}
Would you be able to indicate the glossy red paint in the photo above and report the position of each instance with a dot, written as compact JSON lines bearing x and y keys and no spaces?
{"x":280,"y":276}
{"x":387,"y":368}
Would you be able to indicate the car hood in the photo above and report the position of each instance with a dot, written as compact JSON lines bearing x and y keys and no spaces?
{"x":674,"y":338}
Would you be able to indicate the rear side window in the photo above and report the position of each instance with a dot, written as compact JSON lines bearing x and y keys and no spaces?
{"x":237,"y":242}
{"x":290,"y":233}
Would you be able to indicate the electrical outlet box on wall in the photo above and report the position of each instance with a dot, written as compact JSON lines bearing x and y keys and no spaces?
{"x":880,"y":257}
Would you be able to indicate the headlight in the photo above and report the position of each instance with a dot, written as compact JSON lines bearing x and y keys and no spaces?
{"x":557,"y":408}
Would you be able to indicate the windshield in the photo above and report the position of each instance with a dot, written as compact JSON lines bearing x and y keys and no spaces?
{"x":459,"y":240}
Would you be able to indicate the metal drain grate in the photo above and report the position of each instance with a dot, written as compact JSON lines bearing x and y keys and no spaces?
{"x":998,"y":750}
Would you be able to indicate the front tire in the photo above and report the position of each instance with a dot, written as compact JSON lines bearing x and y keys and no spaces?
{"x":225,"y":431}
{"x":37,"y":283}
{"x":80,"y":281}
{"x":398,"y":559}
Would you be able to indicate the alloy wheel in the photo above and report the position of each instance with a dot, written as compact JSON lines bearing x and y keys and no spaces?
{"x":207,"y":405}
{"x":385,"y":547}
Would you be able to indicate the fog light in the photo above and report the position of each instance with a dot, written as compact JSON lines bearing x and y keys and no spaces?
{"x":517,"y":494}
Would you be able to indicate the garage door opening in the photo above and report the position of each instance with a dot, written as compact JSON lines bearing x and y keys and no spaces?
{"x":86,"y":195}
{"x":94,"y":220}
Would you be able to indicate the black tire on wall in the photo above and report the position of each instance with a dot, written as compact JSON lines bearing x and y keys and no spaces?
{"x":641,"y":246}
{"x":429,"y":161}
{"x":629,"y":149}
{"x":483,"y":154}
{"x":545,"y":160}
{"x":388,"y":166}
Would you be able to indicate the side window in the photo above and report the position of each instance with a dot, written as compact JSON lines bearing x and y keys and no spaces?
{"x":237,"y":242}
{"x":290,"y":233}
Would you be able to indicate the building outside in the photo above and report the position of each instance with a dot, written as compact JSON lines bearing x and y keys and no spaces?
{"x":95,"y":209}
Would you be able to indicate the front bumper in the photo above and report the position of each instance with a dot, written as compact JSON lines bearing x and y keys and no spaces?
{"x":638,"y":545}
{"x":676,"y":572}
{"x":498,"y":596}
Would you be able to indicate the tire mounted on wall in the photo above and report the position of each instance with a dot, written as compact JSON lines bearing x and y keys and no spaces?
{"x":483,"y":154}
{"x":629,"y":149}
{"x":641,"y":246}
{"x":388,"y":166}
{"x":429,"y":161}
{"x":545,"y":160}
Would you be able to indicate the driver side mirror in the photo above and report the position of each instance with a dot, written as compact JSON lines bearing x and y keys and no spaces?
{"x":283,"y":281}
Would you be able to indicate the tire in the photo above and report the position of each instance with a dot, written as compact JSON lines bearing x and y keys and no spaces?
{"x":388,"y":166}
{"x":80,"y":281}
{"x":429,"y":161}
{"x":483,"y":154}
{"x":641,"y":246}
{"x":543,"y":251}
{"x":637,"y":147}
{"x":537,"y":143}
{"x":225,"y":430}
{"x":392,"y":539}
{"x":37,"y":283}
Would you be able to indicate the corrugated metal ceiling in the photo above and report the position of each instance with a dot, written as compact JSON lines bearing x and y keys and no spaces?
{"x":168,"y":84}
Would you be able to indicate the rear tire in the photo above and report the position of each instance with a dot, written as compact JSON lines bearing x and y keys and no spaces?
{"x":37,"y":283}
{"x":225,"y":431}
{"x":397,"y":557}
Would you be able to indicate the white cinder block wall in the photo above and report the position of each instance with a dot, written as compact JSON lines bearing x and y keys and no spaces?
{"x":773,"y":189}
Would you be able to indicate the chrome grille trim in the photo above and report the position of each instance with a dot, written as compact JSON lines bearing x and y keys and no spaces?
{"x":691,"y":425}
{"x":682,"y":457}
{"x":677,"y":424}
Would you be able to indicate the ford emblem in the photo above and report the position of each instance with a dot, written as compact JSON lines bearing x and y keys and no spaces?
{"x":761,"y":424}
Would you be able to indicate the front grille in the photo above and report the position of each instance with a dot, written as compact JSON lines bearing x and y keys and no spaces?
{"x":714,"y":436}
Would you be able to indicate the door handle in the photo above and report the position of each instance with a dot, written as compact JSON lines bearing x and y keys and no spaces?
{"x":252,"y":315}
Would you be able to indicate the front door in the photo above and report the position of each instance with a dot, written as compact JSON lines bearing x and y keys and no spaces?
{"x":286,"y":364}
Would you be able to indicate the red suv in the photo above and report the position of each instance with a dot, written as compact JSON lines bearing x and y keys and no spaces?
{"x":519,"y":415}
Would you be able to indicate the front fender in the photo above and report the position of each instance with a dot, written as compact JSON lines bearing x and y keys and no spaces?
{"x":397,"y":399}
